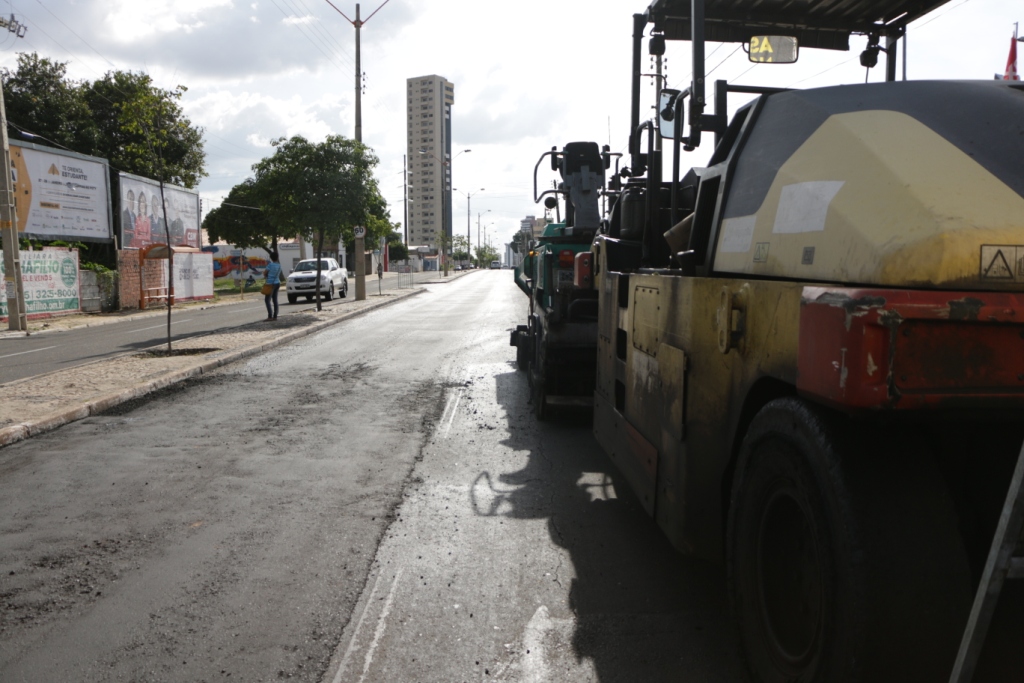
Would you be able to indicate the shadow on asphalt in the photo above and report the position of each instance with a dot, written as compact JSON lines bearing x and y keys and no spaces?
{"x":643,"y":612}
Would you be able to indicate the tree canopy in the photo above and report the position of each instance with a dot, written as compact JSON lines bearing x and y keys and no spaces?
{"x":319,"y":190}
{"x":397,"y":250}
{"x":122,"y":117}
{"x":240,"y":221}
{"x":39,"y":98}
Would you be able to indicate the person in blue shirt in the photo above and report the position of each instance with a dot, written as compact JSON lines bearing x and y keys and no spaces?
{"x":273,"y":275}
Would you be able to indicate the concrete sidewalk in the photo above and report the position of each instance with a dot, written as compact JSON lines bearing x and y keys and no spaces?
{"x":41,"y":403}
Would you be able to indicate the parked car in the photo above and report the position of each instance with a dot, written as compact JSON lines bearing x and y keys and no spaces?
{"x":302,"y":280}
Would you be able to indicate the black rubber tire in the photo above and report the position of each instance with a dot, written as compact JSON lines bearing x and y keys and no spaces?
{"x":344,"y":288}
{"x":330,"y":293}
{"x":292,"y":298}
{"x":844,"y":558}
{"x":522,"y":353}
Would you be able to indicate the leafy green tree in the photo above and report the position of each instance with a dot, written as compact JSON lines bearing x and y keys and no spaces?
{"x":486,"y":254}
{"x":320,"y":191}
{"x":143,"y":130}
{"x":40,"y":99}
{"x":460,"y":247}
{"x":122,"y":117}
{"x":241,"y":221}
{"x":397,"y":251}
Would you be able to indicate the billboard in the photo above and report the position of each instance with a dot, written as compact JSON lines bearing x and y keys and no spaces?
{"x":142,"y":221}
{"x":60,"y":195}
{"x":51,"y":282}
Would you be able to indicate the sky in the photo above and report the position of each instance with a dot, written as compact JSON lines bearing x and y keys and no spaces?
{"x":528,"y":75}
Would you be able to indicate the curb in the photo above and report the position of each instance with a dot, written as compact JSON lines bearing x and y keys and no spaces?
{"x":24,"y":430}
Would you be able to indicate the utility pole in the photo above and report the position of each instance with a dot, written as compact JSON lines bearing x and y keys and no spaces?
{"x":478,"y":230}
{"x":405,"y":198}
{"x":469,"y":234}
{"x":17,"y":318}
{"x":358,"y":24}
{"x":359,"y":80}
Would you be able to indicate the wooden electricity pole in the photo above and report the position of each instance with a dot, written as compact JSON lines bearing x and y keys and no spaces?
{"x":17,"y":318}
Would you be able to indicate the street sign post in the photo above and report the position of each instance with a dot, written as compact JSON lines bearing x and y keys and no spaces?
{"x":360,"y":235}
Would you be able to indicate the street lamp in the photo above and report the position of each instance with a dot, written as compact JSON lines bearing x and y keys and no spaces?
{"x":469,"y":235}
{"x":478,"y":230}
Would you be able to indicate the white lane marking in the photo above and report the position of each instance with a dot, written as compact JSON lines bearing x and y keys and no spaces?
{"x":22,"y":353}
{"x":173,"y":322}
{"x":381,"y":625}
{"x":454,"y":404}
{"x":355,"y":634}
{"x":535,"y":666}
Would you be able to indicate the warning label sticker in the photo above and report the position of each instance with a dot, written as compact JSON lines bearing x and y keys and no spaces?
{"x":1002,"y":262}
{"x":761,"y":252}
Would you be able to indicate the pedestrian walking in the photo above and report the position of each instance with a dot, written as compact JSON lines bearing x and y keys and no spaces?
{"x":273,"y":275}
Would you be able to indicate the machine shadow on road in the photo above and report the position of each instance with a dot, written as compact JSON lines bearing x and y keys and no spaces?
{"x":642,"y":612}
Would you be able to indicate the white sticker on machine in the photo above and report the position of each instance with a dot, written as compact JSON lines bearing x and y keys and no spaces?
{"x":737,"y":234}
{"x":804,"y":206}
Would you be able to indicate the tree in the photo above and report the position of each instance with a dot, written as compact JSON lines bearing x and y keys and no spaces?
{"x":41,"y":100}
{"x":486,"y":254}
{"x":397,"y":251}
{"x":122,"y":117}
{"x":241,"y":221}
{"x":134,"y":119}
{"x":320,"y":191}
{"x":460,"y":248}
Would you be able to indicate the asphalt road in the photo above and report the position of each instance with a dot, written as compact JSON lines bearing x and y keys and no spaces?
{"x":375,"y":503}
{"x":39,"y":353}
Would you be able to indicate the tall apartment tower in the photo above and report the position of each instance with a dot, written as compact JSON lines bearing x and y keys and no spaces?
{"x":429,"y":102}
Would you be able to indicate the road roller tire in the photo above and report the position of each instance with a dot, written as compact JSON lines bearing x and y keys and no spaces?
{"x":844,"y":558}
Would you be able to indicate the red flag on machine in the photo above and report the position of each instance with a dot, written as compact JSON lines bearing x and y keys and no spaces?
{"x":1011,"y":61}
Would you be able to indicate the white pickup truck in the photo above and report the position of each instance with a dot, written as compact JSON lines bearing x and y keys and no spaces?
{"x":302,"y":280}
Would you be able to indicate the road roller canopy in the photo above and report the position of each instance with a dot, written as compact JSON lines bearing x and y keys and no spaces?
{"x":915,"y":183}
{"x":826,"y":25}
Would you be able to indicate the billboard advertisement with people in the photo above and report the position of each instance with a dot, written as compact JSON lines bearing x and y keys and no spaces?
{"x":142,"y":220}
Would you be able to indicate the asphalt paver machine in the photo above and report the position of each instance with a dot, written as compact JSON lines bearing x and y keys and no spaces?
{"x":558,"y":345}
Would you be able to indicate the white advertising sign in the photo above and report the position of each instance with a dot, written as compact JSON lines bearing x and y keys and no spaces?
{"x":60,"y":195}
{"x":193,"y":276}
{"x":142,"y":220}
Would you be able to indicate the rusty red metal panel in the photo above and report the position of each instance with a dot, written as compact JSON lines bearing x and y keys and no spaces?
{"x":910,"y":349}
{"x":583,"y":277}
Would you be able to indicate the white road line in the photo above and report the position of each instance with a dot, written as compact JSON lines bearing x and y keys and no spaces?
{"x":381,"y":625}
{"x":22,"y":353}
{"x":154,"y":327}
{"x":451,"y":416}
{"x":534,"y":664}
{"x":355,"y":634}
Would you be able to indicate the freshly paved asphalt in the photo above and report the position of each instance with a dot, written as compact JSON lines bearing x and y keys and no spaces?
{"x":26,"y":356}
